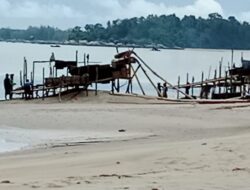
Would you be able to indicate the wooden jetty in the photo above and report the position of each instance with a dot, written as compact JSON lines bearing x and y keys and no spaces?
{"x":234,"y":84}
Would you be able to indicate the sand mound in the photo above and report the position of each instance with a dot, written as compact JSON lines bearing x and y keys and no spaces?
{"x":102,"y":97}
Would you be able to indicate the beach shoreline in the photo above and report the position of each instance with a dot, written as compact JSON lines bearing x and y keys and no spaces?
{"x":141,"y":145}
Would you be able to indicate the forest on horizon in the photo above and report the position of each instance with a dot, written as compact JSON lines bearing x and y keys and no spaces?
{"x":170,"y":31}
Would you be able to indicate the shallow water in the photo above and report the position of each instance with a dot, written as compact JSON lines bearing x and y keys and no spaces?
{"x":13,"y":138}
{"x":9,"y":146}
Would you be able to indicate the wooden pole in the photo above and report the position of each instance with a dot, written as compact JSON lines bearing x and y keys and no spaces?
{"x":21,"y":82}
{"x":187,"y":78}
{"x":131,"y":81}
{"x":33,"y":85}
{"x":25,"y":70}
{"x":112,"y":86}
{"x":54,"y":75}
{"x":144,"y":71}
{"x":21,"y":78}
{"x":50,"y":70}
{"x":53,"y":72}
{"x":226,"y":81}
{"x":214,"y":83}
{"x":33,"y":76}
{"x":84,"y":59}
{"x":187,"y":87}
{"x":202,"y":80}
{"x":67,"y":74}
{"x":128,"y":87}
{"x":143,"y":92}
{"x":43,"y":81}
{"x":220,"y":70}
{"x":232,"y":58}
{"x":118,"y":85}
{"x":97,"y":78}
{"x":192,"y":86}
{"x":179,"y":81}
{"x":135,"y":71}
{"x":231,"y":84}
{"x":76,"y":57}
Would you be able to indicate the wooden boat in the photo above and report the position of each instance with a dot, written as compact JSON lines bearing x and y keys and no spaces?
{"x":55,"y":45}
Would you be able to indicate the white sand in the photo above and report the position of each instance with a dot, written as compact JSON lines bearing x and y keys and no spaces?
{"x":165,"y":146}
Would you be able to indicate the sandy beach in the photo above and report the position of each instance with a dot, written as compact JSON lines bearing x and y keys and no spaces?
{"x":125,"y":142}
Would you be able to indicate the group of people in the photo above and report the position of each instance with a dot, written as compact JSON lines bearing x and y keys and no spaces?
{"x":162,"y":90}
{"x":8,"y":86}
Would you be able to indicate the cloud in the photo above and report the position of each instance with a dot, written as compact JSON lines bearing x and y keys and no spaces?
{"x":64,"y":14}
{"x":116,"y":9}
{"x":34,"y":9}
{"x":199,"y":8}
{"x":244,"y":16}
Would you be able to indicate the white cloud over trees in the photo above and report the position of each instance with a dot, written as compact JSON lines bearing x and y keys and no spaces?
{"x":65,"y":14}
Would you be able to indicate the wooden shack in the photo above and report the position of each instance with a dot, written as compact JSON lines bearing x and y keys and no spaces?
{"x":124,"y":66}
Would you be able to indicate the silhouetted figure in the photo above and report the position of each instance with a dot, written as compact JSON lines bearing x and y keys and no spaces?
{"x":159,"y":87}
{"x":7,"y":86}
{"x":52,"y":57}
{"x":187,"y":88}
{"x":165,"y":90}
{"x":12,"y":84}
{"x":27,"y":89}
{"x":87,"y":58}
{"x":205,"y":91}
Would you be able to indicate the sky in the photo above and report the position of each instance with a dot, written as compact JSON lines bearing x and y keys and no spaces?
{"x":66,"y":14}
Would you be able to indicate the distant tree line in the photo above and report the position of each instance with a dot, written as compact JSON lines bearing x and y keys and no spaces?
{"x":43,"y":33}
{"x":168,"y":30}
{"x":171,"y":31}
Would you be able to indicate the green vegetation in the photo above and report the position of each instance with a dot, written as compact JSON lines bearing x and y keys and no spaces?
{"x":169,"y":31}
{"x":43,"y":33}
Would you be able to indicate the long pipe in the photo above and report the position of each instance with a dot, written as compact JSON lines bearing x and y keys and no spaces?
{"x":149,"y":78}
{"x":172,"y":86}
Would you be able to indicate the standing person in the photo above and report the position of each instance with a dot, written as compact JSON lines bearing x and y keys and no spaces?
{"x":159,"y":87}
{"x":52,"y":57}
{"x":87,"y":58}
{"x":27,"y":89}
{"x":7,"y":86}
{"x":187,"y":88}
{"x":165,"y":90}
{"x":12,"y":84}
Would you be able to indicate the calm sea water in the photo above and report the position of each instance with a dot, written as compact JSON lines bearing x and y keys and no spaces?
{"x":168,"y":63}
